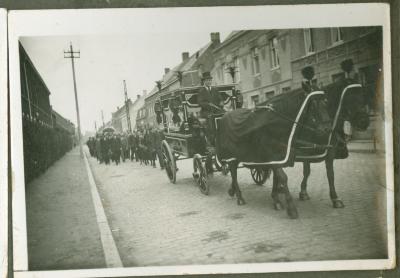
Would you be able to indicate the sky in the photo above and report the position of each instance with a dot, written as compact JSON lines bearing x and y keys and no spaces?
{"x":105,"y":61}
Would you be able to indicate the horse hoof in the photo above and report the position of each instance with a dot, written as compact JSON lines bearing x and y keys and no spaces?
{"x":278,"y":206}
{"x":303,"y":196}
{"x":241,"y":202}
{"x":231,"y":192}
{"x":293,"y":214}
{"x":337,"y":203}
{"x":292,"y":211}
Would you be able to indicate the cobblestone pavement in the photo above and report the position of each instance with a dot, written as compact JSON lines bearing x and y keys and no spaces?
{"x":61,"y":221}
{"x":157,"y":223}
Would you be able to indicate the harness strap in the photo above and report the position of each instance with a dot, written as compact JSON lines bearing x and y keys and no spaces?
{"x":271,"y":108}
{"x":310,"y":145}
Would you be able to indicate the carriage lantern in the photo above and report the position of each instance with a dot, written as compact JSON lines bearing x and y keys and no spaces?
{"x":174,"y":106}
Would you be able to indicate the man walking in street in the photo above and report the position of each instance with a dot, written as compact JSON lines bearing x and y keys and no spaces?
{"x":132,"y":145}
{"x":125,"y":147}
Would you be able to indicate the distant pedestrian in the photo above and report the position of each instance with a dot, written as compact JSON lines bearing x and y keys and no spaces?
{"x":116,"y":148}
{"x":158,"y":138}
{"x":124,"y":147}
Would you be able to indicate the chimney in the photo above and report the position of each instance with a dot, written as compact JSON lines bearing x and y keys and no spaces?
{"x":138,"y":96}
{"x":166,"y":70}
{"x":185,"y":56}
{"x":215,"y":38}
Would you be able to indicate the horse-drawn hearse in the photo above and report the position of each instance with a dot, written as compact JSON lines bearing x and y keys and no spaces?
{"x":189,"y":140}
{"x":304,"y":125}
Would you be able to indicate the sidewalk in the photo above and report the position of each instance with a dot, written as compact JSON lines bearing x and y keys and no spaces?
{"x":61,"y":220}
{"x":361,"y":146}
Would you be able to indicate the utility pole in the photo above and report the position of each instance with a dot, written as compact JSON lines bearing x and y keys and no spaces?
{"x":128,"y":117}
{"x":102,"y":118}
{"x":71,"y":54}
{"x":95,"y":126}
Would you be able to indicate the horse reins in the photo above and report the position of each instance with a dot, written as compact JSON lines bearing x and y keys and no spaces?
{"x":270,"y":108}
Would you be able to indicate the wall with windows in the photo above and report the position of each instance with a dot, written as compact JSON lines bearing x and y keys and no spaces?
{"x":331,"y":47}
{"x":261,"y":60}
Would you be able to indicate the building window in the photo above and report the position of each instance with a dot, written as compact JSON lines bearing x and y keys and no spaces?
{"x":255,"y":100}
{"x":336,"y":35}
{"x":236,"y":63}
{"x":285,"y":90}
{"x":227,"y":75}
{"x":223,"y":73}
{"x":255,"y":60}
{"x":368,"y":77}
{"x":269,"y":95}
{"x":274,"y":53}
{"x":308,"y":41}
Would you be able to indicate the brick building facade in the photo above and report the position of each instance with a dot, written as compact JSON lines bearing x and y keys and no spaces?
{"x":269,"y":62}
{"x":191,"y":68}
{"x":119,"y":117}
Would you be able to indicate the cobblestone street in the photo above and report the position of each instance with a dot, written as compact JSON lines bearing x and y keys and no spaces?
{"x":157,"y":223}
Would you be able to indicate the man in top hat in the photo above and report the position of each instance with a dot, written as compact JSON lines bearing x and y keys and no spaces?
{"x":209,"y":99}
{"x":211,"y":103}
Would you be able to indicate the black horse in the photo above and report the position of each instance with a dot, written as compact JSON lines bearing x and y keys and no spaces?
{"x":264,"y":138}
{"x":346,"y":102}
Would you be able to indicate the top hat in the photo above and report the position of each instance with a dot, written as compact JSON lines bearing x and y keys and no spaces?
{"x":206,"y":75}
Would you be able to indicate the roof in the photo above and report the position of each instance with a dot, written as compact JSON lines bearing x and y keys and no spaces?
{"x":25,"y":54}
{"x":187,"y":65}
{"x":230,"y":38}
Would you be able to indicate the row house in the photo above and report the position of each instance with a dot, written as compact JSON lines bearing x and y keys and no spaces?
{"x":326,"y":48}
{"x":260,"y":60}
{"x":269,"y":62}
{"x":186,"y":74}
{"x":119,"y":118}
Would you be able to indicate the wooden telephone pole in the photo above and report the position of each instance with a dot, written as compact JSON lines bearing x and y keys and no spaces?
{"x":128,"y":116}
{"x":71,"y":54}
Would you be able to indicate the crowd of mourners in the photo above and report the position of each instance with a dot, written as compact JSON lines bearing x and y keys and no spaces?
{"x":142,"y":146}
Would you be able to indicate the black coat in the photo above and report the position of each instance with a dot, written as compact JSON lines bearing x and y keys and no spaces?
{"x":206,"y":97}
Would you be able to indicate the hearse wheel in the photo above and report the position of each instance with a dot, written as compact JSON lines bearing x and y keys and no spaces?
{"x":169,"y":161}
{"x":200,"y":174}
{"x":259,"y":175}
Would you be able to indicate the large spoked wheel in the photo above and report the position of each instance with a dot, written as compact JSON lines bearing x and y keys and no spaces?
{"x":259,"y":175}
{"x":169,"y":161}
{"x":200,"y":174}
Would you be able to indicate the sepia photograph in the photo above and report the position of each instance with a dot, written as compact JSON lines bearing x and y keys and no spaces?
{"x":201,"y":140}
{"x":3,"y":146}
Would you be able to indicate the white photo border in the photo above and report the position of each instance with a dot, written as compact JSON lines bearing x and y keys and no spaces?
{"x":3,"y":146}
{"x":130,"y":21}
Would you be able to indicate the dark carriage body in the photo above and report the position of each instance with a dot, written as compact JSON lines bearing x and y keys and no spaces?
{"x":189,"y":141}
{"x":186,"y":142}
